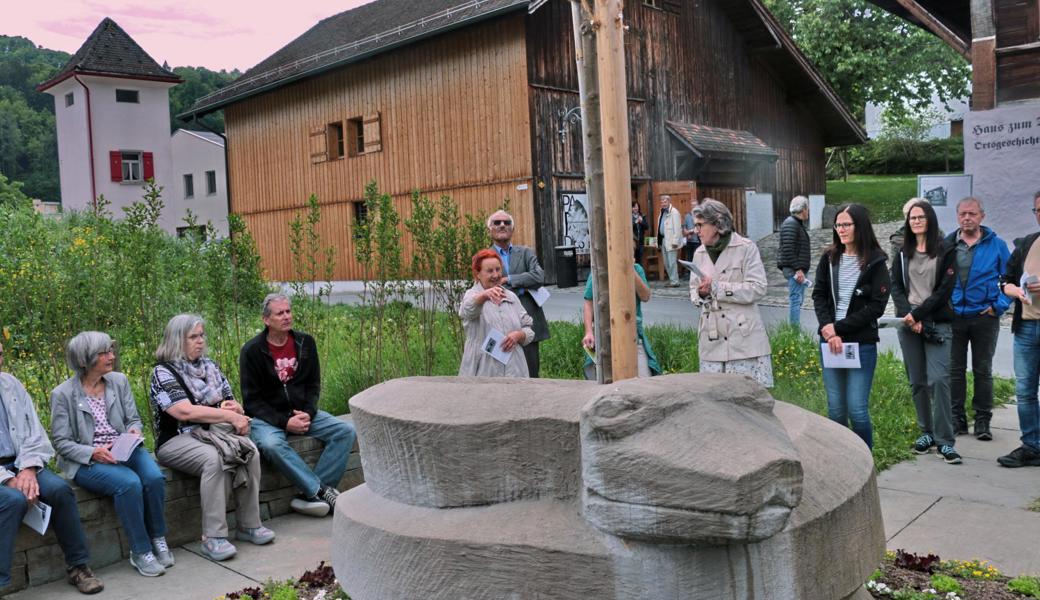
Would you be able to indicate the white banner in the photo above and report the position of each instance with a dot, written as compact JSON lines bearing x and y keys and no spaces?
{"x":1002,"y":153}
{"x":575,"y":208}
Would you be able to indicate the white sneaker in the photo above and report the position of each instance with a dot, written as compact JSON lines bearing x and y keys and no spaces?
{"x":312,"y":507}
{"x":146,"y":564}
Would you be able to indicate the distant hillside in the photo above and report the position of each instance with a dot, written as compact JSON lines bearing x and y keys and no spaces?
{"x":28,"y":142}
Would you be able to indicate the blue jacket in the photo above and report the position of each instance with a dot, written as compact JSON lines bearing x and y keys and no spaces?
{"x":983,"y":290}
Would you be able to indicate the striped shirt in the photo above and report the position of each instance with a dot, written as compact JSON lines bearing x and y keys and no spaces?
{"x":848,"y":274}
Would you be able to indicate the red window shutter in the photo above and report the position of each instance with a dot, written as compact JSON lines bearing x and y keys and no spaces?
{"x":148,"y":167}
{"x":115,"y":164}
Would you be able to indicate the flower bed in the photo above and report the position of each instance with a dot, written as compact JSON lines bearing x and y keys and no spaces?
{"x":906,"y":576}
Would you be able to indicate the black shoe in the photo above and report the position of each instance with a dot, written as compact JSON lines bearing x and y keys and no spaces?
{"x":960,"y":428}
{"x":950,"y":455}
{"x":923,"y":444}
{"x":328,"y":495}
{"x":982,"y":431}
{"x":1023,"y":456}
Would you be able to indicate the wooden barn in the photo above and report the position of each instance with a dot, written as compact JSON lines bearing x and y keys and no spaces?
{"x":473,"y":99}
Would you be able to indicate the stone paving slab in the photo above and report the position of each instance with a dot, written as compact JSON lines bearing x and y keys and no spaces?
{"x":899,"y":509}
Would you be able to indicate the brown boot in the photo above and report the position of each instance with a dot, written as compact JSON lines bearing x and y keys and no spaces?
{"x":84,"y":580}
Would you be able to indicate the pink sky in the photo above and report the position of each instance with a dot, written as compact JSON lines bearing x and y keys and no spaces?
{"x":217,"y":34}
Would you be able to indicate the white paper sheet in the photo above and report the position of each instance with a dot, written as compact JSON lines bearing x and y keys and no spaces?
{"x":848,"y":358}
{"x":493,"y":346}
{"x":1024,"y":282}
{"x":124,"y":446}
{"x":37,"y":517}
{"x":541,"y":295}
{"x":692,"y":268}
{"x":890,"y":322}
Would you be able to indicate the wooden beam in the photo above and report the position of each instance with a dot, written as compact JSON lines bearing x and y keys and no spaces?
{"x":617,"y":184}
{"x":937,"y":27}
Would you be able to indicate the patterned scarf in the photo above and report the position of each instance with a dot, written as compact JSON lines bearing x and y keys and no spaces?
{"x":204,"y":379}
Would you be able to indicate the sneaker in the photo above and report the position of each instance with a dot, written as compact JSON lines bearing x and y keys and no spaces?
{"x":84,"y":580}
{"x":982,"y":431}
{"x":924,"y":444}
{"x":146,"y":564}
{"x":328,"y":495}
{"x":218,"y":549}
{"x":950,"y":455}
{"x":257,"y":535}
{"x":312,"y":507}
{"x":1023,"y":456}
{"x":162,"y":552}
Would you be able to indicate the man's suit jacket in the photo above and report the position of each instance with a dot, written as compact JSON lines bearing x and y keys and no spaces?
{"x":526,"y":274}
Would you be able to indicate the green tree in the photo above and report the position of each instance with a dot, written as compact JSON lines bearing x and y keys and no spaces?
{"x":870,"y":55}
{"x":198,"y":81}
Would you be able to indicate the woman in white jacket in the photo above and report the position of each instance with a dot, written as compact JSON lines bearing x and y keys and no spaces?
{"x":732,"y":279}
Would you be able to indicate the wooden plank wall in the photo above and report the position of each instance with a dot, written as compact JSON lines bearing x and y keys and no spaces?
{"x":454,"y":120}
{"x":1018,"y":49}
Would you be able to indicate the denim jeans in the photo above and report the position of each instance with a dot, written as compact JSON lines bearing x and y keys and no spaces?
{"x":981,"y":333}
{"x":138,"y":490}
{"x":1027,"y":375}
{"x":848,"y":394}
{"x":795,"y":295}
{"x":65,"y":522}
{"x":337,"y":436}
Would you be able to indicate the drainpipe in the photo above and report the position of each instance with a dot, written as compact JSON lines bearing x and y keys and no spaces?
{"x":227,"y":163}
{"x":90,"y":144}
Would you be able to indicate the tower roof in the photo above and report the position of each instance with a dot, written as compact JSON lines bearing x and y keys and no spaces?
{"x":111,"y":52}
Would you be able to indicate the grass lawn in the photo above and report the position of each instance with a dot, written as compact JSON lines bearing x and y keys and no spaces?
{"x":884,"y":195}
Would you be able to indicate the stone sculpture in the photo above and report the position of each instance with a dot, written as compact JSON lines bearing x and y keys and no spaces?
{"x":679,"y":487}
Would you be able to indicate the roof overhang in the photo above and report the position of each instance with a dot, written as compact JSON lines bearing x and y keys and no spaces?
{"x":949,"y":20}
{"x":46,"y":85}
{"x":713,"y":155}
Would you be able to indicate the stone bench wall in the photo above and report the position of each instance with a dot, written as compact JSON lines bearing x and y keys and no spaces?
{"x":39,"y":559}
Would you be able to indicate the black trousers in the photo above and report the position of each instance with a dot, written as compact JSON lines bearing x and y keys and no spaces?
{"x":981,"y":334}
{"x":531,"y":354}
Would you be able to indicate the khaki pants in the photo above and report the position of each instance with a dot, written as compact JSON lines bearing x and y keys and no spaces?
{"x":193,"y":457}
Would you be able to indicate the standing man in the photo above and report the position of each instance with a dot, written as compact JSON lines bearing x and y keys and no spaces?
{"x":281,"y":382}
{"x":794,"y":255}
{"x":670,"y":238}
{"x":978,"y":304}
{"x":25,"y":480}
{"x":1022,"y":283}
{"x":521,"y":275}
{"x":639,"y":227}
{"x":692,"y":239}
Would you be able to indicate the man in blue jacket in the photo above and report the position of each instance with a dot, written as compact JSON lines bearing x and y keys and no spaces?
{"x":977,"y":305}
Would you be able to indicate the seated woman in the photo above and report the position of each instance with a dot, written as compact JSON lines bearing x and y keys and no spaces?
{"x":89,"y":411}
{"x":487,"y":307}
{"x":731,"y":334}
{"x":189,"y":394}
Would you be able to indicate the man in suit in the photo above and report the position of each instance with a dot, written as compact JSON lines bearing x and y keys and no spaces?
{"x":521,"y":274}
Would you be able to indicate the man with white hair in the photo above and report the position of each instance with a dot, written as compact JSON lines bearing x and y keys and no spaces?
{"x":794,"y":255}
{"x":670,"y":238}
{"x":521,"y":275}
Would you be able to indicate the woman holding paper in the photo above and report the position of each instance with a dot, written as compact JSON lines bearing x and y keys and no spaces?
{"x":851,"y":292}
{"x":923,"y":278}
{"x":726,"y":284}
{"x":495,"y":322}
{"x":93,"y":411}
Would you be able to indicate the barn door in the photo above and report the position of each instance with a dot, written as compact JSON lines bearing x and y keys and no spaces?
{"x":680,"y":192}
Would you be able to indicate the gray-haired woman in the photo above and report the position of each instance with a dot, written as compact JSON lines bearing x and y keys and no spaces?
{"x":189,"y":394}
{"x":89,"y":411}
{"x":732,"y":336}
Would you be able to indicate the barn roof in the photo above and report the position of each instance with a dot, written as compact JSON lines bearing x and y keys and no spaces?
{"x":384,"y":25}
{"x":714,"y":141}
{"x":111,"y":52}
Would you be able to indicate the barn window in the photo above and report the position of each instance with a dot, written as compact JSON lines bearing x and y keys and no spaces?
{"x":364,"y":134}
{"x":357,"y":136}
{"x":335,"y":141}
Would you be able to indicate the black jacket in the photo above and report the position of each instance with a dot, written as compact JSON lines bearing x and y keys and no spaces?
{"x":935,"y":307}
{"x":794,"y":253}
{"x":1015,"y":267}
{"x":264,"y":396}
{"x":867,"y":304}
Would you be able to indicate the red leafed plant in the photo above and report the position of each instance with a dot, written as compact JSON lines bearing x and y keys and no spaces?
{"x":913,"y":562}
{"x":320,"y":577}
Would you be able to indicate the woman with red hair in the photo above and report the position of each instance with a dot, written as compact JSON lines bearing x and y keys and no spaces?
{"x":495,"y":322}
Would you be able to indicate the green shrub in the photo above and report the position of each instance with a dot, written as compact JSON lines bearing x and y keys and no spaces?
{"x":1027,"y":586}
{"x":945,"y":584}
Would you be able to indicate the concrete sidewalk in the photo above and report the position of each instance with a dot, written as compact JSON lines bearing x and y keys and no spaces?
{"x":302,"y":543}
{"x":975,"y":510}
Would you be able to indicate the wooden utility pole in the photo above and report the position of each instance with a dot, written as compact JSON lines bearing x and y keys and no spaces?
{"x":592,"y":144}
{"x":617,"y":183}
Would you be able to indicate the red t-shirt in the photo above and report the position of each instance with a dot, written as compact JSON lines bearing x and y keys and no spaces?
{"x":284,"y":358}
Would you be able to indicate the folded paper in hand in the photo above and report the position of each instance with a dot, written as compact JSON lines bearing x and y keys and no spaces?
{"x":37,"y":517}
{"x":848,"y":358}
{"x":124,"y":446}
{"x":493,"y":346}
{"x":692,"y":268}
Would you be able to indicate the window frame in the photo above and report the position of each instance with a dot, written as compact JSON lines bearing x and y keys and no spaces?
{"x":211,"y":183}
{"x":336,"y":141}
{"x":356,"y":131}
{"x":70,"y":99}
{"x":189,"y":185}
{"x":125,"y":100}
{"x":128,"y":162}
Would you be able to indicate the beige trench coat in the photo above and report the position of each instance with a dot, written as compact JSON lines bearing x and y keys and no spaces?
{"x":478,"y":320}
{"x":731,"y":327}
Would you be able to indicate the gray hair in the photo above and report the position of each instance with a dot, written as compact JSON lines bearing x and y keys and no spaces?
{"x":82,"y":351}
{"x":715,"y":213}
{"x":910,"y":204}
{"x":265,"y":308}
{"x":973,"y":199}
{"x":498,"y":212}
{"x":172,"y":346}
{"x":798,"y":205}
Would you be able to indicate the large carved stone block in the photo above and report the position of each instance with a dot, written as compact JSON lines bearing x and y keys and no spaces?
{"x":684,"y":487}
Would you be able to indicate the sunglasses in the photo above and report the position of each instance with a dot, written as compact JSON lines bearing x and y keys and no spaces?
{"x":498,"y":222}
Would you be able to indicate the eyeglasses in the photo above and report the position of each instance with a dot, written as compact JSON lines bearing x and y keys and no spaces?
{"x":197,"y":336}
{"x":843,"y":225}
{"x":699,"y":225}
{"x":109,"y":350}
{"x":917,"y":218}
{"x":1036,"y":211}
{"x":500,"y":222}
